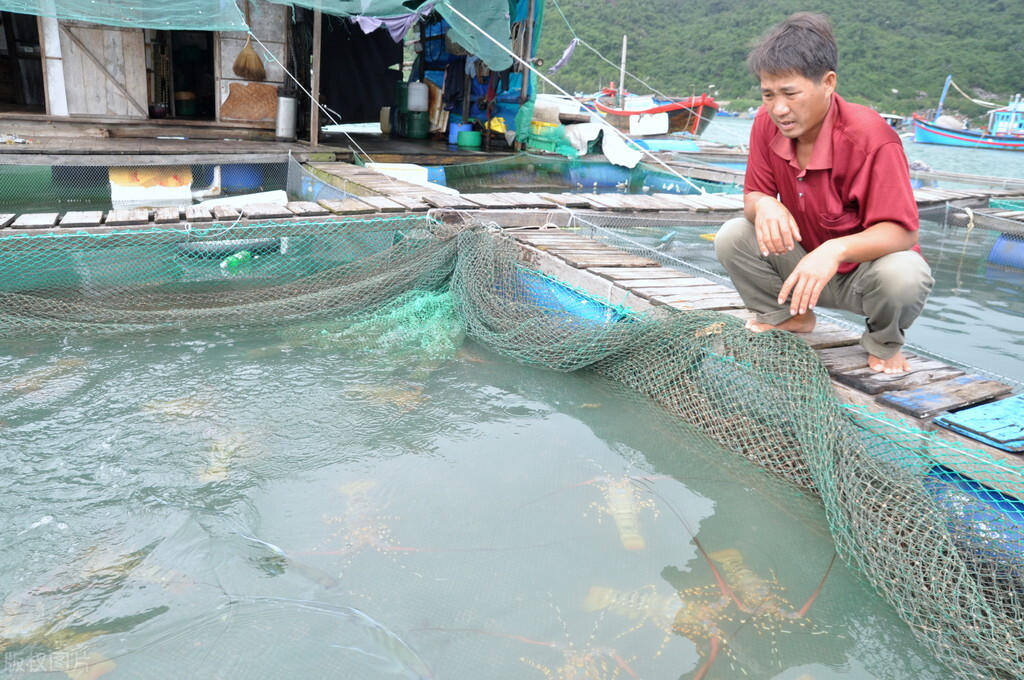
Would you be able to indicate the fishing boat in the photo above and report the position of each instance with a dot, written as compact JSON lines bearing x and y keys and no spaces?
{"x":1005,"y":129}
{"x":644,"y":115}
{"x":649,"y":115}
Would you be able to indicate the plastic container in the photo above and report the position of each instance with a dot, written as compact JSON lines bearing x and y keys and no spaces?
{"x":385,"y":120}
{"x":540,"y":127}
{"x":239,"y":177}
{"x":233,"y":263}
{"x":454,"y":129}
{"x":185,"y":103}
{"x":1008,"y":251}
{"x":469,"y":139}
{"x":285,"y":127}
{"x":417,"y":125}
{"x":418,"y":96}
{"x":402,"y":96}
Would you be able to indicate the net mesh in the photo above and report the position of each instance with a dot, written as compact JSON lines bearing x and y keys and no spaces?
{"x":530,"y":172}
{"x":200,"y":15}
{"x":936,"y":528}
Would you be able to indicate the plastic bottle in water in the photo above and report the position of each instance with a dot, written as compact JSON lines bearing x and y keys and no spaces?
{"x":234,"y":262}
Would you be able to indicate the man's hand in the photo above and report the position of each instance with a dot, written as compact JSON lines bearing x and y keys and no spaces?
{"x":774,"y":225}
{"x":810,"y":277}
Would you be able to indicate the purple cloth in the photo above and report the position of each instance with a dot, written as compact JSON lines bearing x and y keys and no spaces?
{"x":566,"y":55}
{"x":397,"y":27}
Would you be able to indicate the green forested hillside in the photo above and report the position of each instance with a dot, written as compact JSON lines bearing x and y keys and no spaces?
{"x":893,"y":54}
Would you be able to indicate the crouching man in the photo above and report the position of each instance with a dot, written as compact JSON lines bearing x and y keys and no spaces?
{"x":829,"y":212}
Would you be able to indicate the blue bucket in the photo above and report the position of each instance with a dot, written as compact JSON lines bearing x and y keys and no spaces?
{"x":454,"y":129}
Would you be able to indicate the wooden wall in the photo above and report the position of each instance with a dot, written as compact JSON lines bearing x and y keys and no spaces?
{"x":104,"y":70}
{"x":269,"y":23}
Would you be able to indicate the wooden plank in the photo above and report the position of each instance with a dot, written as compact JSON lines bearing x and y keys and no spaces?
{"x":448,"y":201}
{"x":827,"y":335}
{"x":611,"y":259}
{"x":682,"y":202}
{"x":923,"y":371}
{"x":549,"y":236}
{"x":410,"y":202}
{"x":999,"y":424}
{"x":382,"y":204}
{"x":625,"y":273}
{"x":678,"y":281}
{"x":225,"y":213}
{"x":567,"y":200}
{"x":680,"y":292}
{"x":482,"y":200}
{"x":266,"y":211}
{"x":36,"y":221}
{"x":307,"y":209}
{"x":720,"y":202}
{"x":595,"y":202}
{"x":82,"y":218}
{"x":615,"y":202}
{"x":195,"y":213}
{"x":709,"y":302}
{"x":166,"y":215}
{"x":127,"y":217}
{"x":346,"y":206}
{"x":929,"y":400}
{"x":527,"y":200}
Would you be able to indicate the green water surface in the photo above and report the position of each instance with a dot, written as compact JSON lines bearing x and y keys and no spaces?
{"x":451,"y":519}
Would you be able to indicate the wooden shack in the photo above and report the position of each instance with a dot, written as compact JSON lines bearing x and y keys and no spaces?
{"x":73,"y":77}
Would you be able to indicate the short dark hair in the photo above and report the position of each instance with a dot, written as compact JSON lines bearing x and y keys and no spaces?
{"x":802,"y":44}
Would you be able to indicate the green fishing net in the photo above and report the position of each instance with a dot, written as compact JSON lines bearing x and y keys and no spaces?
{"x":938,"y":530}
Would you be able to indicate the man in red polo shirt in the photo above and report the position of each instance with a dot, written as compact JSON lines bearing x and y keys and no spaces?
{"x":829,"y":213}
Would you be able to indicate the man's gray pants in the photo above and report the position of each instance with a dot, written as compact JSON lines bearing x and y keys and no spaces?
{"x":889,"y":292}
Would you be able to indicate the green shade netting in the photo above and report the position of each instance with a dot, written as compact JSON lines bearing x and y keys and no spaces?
{"x":481,"y":16}
{"x":204,"y":15}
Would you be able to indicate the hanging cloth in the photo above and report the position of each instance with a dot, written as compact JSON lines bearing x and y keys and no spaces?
{"x":566,"y":55}
{"x":397,"y":26}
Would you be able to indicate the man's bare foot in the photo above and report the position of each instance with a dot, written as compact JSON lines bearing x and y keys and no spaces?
{"x":897,"y":363}
{"x":801,"y":323}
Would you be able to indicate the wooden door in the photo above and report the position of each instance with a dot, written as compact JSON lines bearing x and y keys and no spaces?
{"x":104,"y":70}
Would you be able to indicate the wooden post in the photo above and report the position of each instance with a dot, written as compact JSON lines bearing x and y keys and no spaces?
{"x":524,"y":92}
{"x":467,"y":87}
{"x":314,"y":84}
{"x":622,"y":76}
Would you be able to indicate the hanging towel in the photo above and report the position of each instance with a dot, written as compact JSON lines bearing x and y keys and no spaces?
{"x":566,"y":55}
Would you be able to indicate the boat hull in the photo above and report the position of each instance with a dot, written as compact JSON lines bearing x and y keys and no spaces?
{"x":688,"y":114}
{"x":926,"y":133}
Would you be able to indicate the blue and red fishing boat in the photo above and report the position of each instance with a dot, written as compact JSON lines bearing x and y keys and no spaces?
{"x":1005,"y":129}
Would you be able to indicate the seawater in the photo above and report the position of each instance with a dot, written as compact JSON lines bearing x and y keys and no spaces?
{"x":258,"y":503}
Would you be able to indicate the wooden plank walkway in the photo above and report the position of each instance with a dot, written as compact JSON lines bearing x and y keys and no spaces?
{"x":929,"y":389}
{"x":374,"y":192}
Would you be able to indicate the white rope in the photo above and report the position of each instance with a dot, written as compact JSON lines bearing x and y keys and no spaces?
{"x":979,"y":102}
{"x":327,"y":112}
{"x":552,"y":84}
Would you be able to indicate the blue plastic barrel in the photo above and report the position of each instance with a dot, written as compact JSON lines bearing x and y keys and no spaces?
{"x":241,"y":177}
{"x":987,"y":523}
{"x":454,"y":129}
{"x":1008,"y":251}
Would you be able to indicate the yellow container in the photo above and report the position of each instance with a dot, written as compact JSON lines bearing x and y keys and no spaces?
{"x":539,"y":127}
